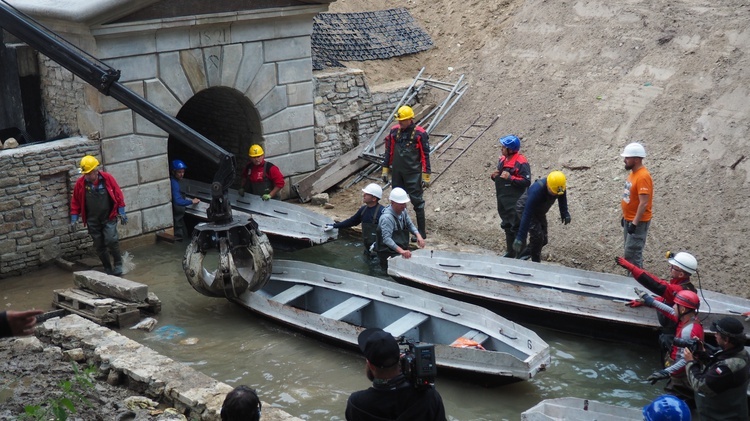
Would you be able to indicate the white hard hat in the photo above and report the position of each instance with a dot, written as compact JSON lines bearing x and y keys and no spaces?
{"x":398,"y":195}
{"x":634,"y":150}
{"x":373,"y":189}
{"x":684,"y":261}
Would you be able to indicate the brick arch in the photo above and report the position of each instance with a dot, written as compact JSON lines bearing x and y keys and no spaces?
{"x":226,"y":117}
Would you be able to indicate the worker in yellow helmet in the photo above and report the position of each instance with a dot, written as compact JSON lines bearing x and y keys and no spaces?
{"x":532,"y":208}
{"x":260,"y":176}
{"x":407,"y":161}
{"x":98,"y":200}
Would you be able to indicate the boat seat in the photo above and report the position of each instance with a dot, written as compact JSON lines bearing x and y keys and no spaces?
{"x":476,"y":336}
{"x":289,"y":295}
{"x":346,"y":308}
{"x":406,"y":323}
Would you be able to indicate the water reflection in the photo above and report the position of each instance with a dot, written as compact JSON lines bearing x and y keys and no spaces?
{"x":312,"y":379}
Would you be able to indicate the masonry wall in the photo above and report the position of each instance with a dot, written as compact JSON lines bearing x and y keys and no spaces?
{"x":348,"y":113}
{"x":36,"y":183}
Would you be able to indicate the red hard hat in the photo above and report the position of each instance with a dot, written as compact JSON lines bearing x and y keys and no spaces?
{"x":687,"y":299}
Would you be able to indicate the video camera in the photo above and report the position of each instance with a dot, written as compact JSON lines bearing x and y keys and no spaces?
{"x":418,"y":363}
{"x":692,"y":344}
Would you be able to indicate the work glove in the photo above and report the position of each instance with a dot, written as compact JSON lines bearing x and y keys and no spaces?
{"x":266,"y":197}
{"x":384,"y":176}
{"x":634,"y":303}
{"x":425,"y":180}
{"x":241,"y":192}
{"x":565,"y":219}
{"x":658,"y":375}
{"x":73,"y":223}
{"x":631,"y":228}
{"x":121,"y":216}
{"x":624,"y":263}
{"x":328,"y":227}
{"x":747,"y":316}
{"x":517,"y":244}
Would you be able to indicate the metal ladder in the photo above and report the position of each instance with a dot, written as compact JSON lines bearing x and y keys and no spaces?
{"x":457,"y":147}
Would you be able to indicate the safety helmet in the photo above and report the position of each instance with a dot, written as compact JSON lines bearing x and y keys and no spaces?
{"x":730,"y":327}
{"x":178,"y":165}
{"x":404,"y":113}
{"x":512,"y":142}
{"x":255,"y":151}
{"x":633,"y":150}
{"x":666,"y":408}
{"x":88,"y":164}
{"x":374,"y":190}
{"x":556,"y":182}
{"x":684,"y":261}
{"x":687,"y":299}
{"x":398,"y":195}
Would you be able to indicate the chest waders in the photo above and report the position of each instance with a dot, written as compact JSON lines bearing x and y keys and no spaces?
{"x":370,"y":230}
{"x":407,"y":174}
{"x":103,"y":231}
{"x":507,"y":196}
{"x":400,"y":236}
{"x":264,"y":186}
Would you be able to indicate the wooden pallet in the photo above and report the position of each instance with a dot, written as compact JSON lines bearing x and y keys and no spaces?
{"x":100,"y":309}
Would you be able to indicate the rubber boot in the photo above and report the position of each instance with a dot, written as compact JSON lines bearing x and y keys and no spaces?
{"x":104,"y":257}
{"x":117,"y":260}
{"x":421,"y":222}
{"x":509,"y":239}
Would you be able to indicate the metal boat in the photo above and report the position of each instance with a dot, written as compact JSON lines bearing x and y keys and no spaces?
{"x":337,"y":305}
{"x":274,"y":217}
{"x":560,"y":297}
{"x":579,"y":409}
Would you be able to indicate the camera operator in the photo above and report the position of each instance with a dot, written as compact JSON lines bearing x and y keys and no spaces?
{"x":391,"y":396}
{"x":720,"y":381}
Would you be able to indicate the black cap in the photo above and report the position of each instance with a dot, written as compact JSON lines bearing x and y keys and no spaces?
{"x":379,"y":347}
{"x":729,"y":326}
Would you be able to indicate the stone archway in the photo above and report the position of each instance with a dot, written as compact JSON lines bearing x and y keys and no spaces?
{"x":226,"y":117}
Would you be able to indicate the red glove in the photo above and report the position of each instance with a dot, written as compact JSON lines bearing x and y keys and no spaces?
{"x":624,"y":263}
{"x":634,"y":303}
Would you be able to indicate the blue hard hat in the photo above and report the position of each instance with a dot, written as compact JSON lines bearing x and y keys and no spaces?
{"x":666,"y":408}
{"x":178,"y":165}
{"x":511,"y":142}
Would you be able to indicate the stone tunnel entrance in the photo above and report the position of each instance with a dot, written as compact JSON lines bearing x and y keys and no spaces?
{"x":226,"y":117}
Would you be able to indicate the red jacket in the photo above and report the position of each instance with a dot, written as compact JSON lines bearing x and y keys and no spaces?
{"x":78,"y":203}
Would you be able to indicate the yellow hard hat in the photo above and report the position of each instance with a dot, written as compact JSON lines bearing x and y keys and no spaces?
{"x":404,"y":113}
{"x":88,"y":164}
{"x":556,"y":182}
{"x":255,"y":151}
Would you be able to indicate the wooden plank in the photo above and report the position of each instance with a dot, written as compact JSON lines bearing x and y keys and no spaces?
{"x":333,"y":173}
{"x":406,"y":323}
{"x":292,"y":293}
{"x":346,"y":308}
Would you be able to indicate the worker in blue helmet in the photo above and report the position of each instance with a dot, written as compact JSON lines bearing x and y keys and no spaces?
{"x":179,"y":201}
{"x":512,"y":177}
{"x":666,"y":408}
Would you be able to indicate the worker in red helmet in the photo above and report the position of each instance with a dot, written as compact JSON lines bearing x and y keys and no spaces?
{"x":684,"y":312}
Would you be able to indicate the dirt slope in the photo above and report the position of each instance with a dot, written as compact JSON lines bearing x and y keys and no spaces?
{"x":577,"y":81}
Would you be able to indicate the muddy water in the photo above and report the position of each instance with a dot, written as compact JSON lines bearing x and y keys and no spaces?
{"x":311,"y":379}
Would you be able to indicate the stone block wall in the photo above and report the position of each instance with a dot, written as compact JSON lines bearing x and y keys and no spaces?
{"x":62,"y":96}
{"x":36,"y":183}
{"x":348,"y":113}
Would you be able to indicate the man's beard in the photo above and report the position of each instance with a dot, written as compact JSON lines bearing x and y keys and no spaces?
{"x":628,"y":167}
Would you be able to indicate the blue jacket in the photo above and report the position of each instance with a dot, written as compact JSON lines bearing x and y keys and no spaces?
{"x":538,"y":202}
{"x":178,"y":199}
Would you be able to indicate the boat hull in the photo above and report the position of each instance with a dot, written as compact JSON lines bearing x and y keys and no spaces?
{"x":513,"y":352}
{"x":559,"y":297}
